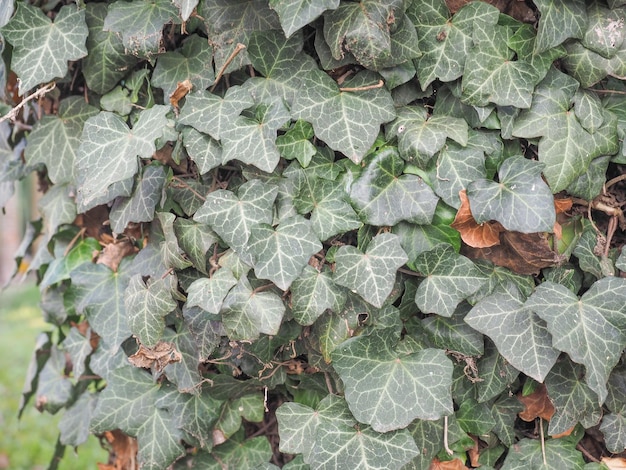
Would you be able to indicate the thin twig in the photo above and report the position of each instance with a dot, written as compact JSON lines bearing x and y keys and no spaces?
{"x":616,"y":92}
{"x":186,"y":185}
{"x":543,"y":442}
{"x":380,"y":84}
{"x":445,"y":436}
{"x":586,"y":453}
{"x":42,"y":91}
{"x":238,"y":48}
{"x":410,"y":273}
{"x":617,"y":179}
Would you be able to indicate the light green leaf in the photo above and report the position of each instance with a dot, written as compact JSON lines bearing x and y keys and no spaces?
{"x":213,"y":115}
{"x":140,"y":206}
{"x":327,"y":202}
{"x":193,"y":63}
{"x":421,"y":136}
{"x":313,"y":292}
{"x":387,"y":389}
{"x":55,"y":139}
{"x":416,"y":239}
{"x":41,"y":48}
{"x":147,"y":305}
{"x":282,"y":253}
{"x":573,"y":400}
{"x":521,"y":201}
{"x":141,"y":24}
{"x":61,"y":267}
{"x":109,"y":149}
{"x":233,"y":216}
{"x":475,"y":418}
{"x":101,"y":299}
{"x":78,"y":347}
{"x":589,"y":329}
{"x":588,"y":67}
{"x":195,"y":240}
{"x":529,"y":454}
{"x":446,"y":42}
{"x":363,"y":29}
{"x":209,"y":293}
{"x":566,"y":147}
{"x":520,"y":336}
{"x":560,"y":20}
{"x":382,"y":195}
{"x":371,"y":274}
{"x":296,"y":144}
{"x":202,"y":149}
{"x":453,"y":333}
{"x":294,"y":14}
{"x":106,"y":62}
{"x":186,"y":8}
{"x":246,"y":313}
{"x":450,"y":278}
{"x":348,"y":121}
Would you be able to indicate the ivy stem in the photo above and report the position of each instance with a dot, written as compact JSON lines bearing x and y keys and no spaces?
{"x":409,"y":272}
{"x":262,"y":288}
{"x":42,"y":91}
{"x":380,"y":84}
{"x":445,"y":436}
{"x":543,"y":442}
{"x":184,"y":183}
{"x":615,"y":180}
{"x":238,"y":48}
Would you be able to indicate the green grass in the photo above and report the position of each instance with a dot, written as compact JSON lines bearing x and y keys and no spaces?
{"x":29,"y":443}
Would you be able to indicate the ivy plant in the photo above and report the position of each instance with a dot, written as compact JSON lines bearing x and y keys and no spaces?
{"x":324,"y":234}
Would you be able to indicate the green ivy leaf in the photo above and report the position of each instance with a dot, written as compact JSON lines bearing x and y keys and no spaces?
{"x":313,"y":292}
{"x":613,"y":428}
{"x":147,"y":304}
{"x":41,"y":48}
{"x":387,"y":389}
{"x":450,"y":278}
{"x":171,"y":253}
{"x":74,"y":424}
{"x":54,"y":388}
{"x":520,"y":336}
{"x":529,"y":453}
{"x":559,"y":21}
{"x":79,"y":348}
{"x":282,"y":253}
{"x":416,"y":239}
{"x":453,"y":333}
{"x":496,"y":372}
{"x":253,"y":453}
{"x":55,"y":139}
{"x":141,"y":24}
{"x":186,"y":8}
{"x":295,"y":14}
{"x":233,"y":216}
{"x":566,"y":148}
{"x":206,"y":329}
{"x":596,"y":338}
{"x":382,"y":195}
{"x":246,"y":313}
{"x":371,"y":274}
{"x":475,"y":418}
{"x":60,"y":269}
{"x":106,"y":62}
{"x":195,"y":240}
{"x":348,"y":121}
{"x":193,"y":63}
{"x":521,"y":201}
{"x":605,"y":31}
{"x":209,"y":293}
{"x":106,"y":135}
{"x":184,"y":374}
{"x":446,"y":42}
{"x":203,"y":149}
{"x":296,"y":144}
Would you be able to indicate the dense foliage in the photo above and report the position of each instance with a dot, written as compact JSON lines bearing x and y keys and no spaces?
{"x":324,"y":234}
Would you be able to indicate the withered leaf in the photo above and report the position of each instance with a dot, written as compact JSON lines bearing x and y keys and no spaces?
{"x":536,"y":405}
{"x":182,"y":88}
{"x":614,"y":463}
{"x":455,"y":464}
{"x":475,"y":235}
{"x":113,"y":253}
{"x":514,"y":8}
{"x":123,"y":451}
{"x":156,"y":358}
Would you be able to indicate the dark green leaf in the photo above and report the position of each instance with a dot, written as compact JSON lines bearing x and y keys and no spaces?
{"x":313,"y":292}
{"x":294,"y":14}
{"x":560,"y":20}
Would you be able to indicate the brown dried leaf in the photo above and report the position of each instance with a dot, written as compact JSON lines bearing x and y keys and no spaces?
{"x":563,"y":204}
{"x":615,"y":463}
{"x":475,"y":235}
{"x":536,"y":405}
{"x":514,"y":8}
{"x":455,"y":464}
{"x":182,"y":88}
{"x":474,"y":453}
{"x":95,"y":223}
{"x":113,"y":253}
{"x":156,"y":358}
{"x":123,"y":453}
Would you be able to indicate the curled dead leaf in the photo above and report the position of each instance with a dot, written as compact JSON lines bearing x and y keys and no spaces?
{"x":113,"y":253}
{"x":536,"y":405}
{"x":156,"y":358}
{"x":474,"y":234}
{"x":614,"y":463}
{"x":182,"y":88}
{"x":454,"y":464}
{"x":123,"y":453}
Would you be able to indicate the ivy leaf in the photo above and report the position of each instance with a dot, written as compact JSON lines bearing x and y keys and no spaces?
{"x":529,"y":453}
{"x":559,"y":21}
{"x":520,"y":336}
{"x":253,"y":453}
{"x":453,"y":333}
{"x":294,"y":14}
{"x":172,"y":255}
{"x":383,"y":195}
{"x":147,"y":305}
{"x":106,"y":62}
{"x":140,"y":206}
{"x":186,"y":8}
{"x":204,"y":150}
{"x":55,"y":139}
{"x":312,"y":293}
{"x":327,"y":202}
{"x":246,"y":313}
{"x":61,"y":267}
{"x":605,"y":31}
{"x":589,"y":329}
{"x":613,"y":428}
{"x":521,"y":201}
{"x":57,"y":207}
{"x":213,"y":115}
{"x":106,"y":135}
{"x":296,"y":144}
{"x":209,"y":293}
{"x":193,"y":63}
{"x":195,"y":240}
{"x":184,"y":373}
{"x":74,"y":424}
{"x":141,"y":24}
{"x":282,"y":253}
{"x":128,"y":404}
{"x":566,"y":148}
{"x":371,"y":274}
{"x":79,"y":348}
{"x":101,"y":299}
{"x":233,"y":216}
{"x":387,"y":389}
{"x":446,"y":42}
{"x":363,"y":29}
{"x":450,"y":278}
{"x":41,"y":49}
{"x":206,"y":329}
{"x":54,"y":388}
{"x":573,"y":400}
{"x":348,"y":121}
{"x":421,"y":136}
